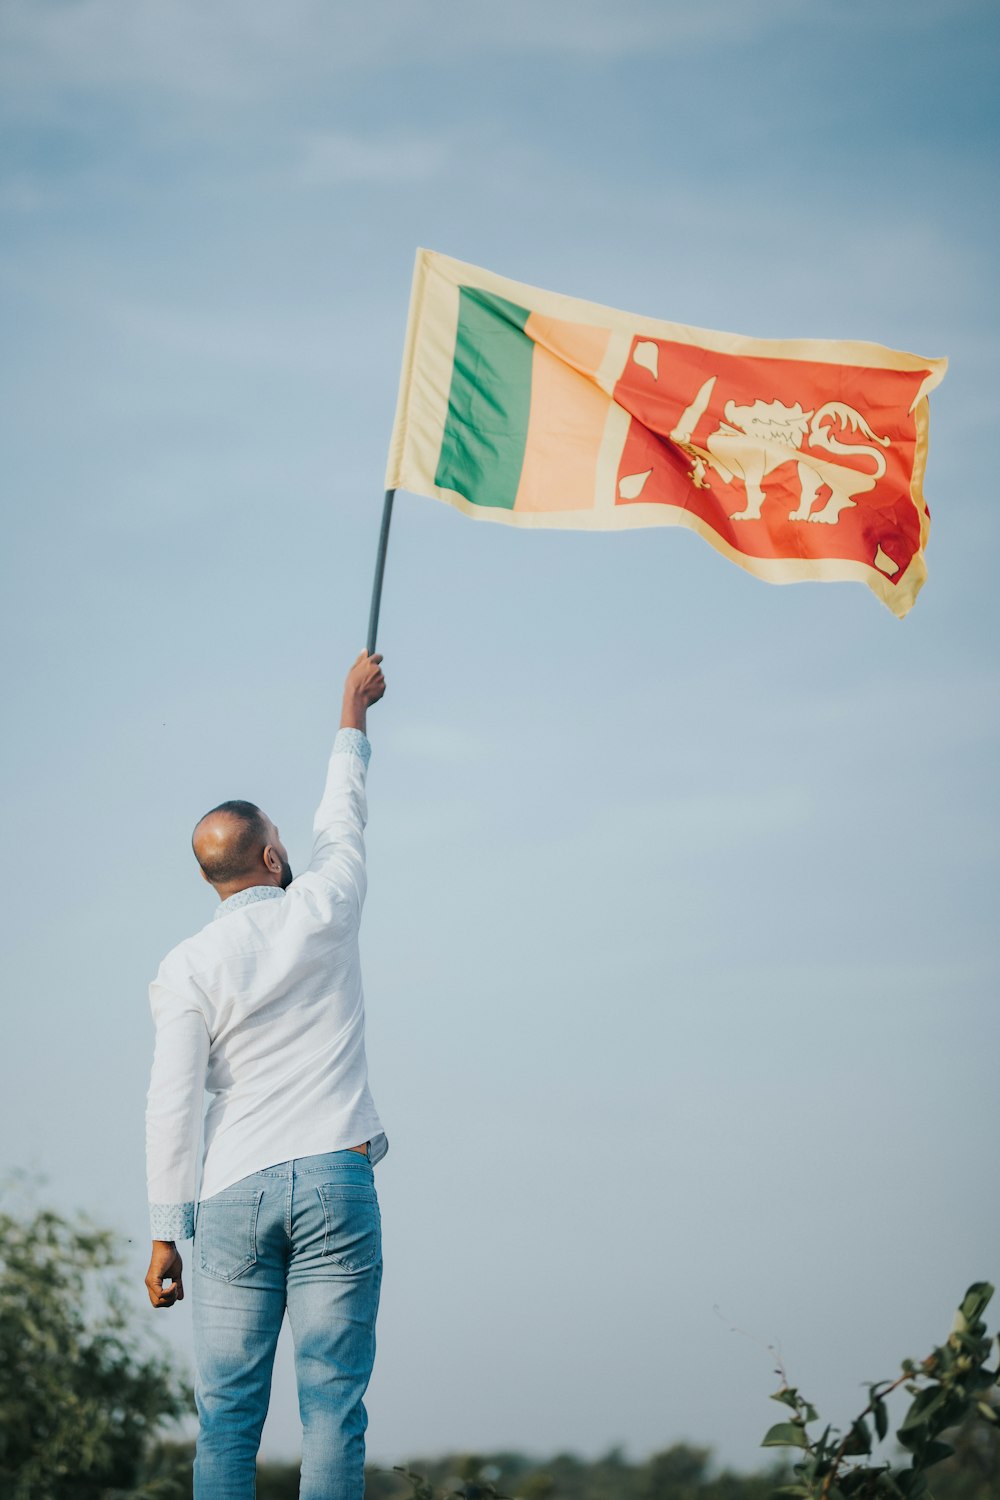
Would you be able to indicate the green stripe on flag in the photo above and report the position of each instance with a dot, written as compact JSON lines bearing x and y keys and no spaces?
{"x":487,"y":426}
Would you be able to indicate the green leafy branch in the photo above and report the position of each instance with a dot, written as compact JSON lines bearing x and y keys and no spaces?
{"x":951,"y":1384}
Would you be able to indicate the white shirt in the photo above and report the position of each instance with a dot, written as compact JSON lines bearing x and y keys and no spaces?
{"x":264,"y":1008}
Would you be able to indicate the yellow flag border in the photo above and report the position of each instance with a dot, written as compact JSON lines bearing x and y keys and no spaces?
{"x":422,"y":410}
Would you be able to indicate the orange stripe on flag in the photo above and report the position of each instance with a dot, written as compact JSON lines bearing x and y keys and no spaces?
{"x":566,"y":418}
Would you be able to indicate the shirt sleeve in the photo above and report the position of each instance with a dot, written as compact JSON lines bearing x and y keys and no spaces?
{"x":174,"y":1111}
{"x":339,"y":826}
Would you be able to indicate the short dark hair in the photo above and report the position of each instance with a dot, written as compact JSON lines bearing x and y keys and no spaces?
{"x":239,"y":855}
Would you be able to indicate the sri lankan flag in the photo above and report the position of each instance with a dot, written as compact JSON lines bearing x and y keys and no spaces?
{"x":797,"y":459}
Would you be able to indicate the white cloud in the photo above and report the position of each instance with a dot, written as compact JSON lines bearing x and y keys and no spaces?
{"x":337,"y":157}
{"x":241,"y":50}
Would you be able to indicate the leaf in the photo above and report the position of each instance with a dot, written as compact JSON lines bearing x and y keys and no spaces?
{"x":935,"y":1452}
{"x":924,"y":1406}
{"x":788,"y":1395}
{"x":987,"y":1412}
{"x":785,"y":1435}
{"x":859,"y":1439}
{"x":826,"y":1443}
{"x":881,"y":1417}
{"x":975,"y":1302}
{"x":886,"y":1485}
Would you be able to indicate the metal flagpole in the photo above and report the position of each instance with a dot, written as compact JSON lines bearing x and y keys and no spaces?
{"x":383,"y":543}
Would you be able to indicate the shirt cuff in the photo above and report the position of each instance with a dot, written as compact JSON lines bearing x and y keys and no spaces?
{"x":171,"y":1221}
{"x":352,"y":742}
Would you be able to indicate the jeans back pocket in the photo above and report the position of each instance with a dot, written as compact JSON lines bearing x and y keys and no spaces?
{"x":226,"y":1232}
{"x":353,"y":1237}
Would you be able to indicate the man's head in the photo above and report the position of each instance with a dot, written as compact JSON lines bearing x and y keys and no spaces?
{"x":237,"y":846}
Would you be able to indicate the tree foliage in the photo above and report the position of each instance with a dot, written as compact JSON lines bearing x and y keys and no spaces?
{"x":79,"y":1404}
{"x":680,"y":1472}
{"x":950,"y":1387}
{"x":83,"y":1406}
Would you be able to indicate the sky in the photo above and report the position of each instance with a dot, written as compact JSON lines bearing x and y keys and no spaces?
{"x":680,"y":948}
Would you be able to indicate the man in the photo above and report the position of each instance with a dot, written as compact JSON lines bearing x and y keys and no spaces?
{"x":264,"y":1009}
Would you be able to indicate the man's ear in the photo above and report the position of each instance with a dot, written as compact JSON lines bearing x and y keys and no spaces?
{"x":272,"y":859}
{"x":204,"y":876}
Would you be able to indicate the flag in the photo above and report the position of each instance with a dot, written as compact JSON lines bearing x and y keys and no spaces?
{"x":797,"y":459}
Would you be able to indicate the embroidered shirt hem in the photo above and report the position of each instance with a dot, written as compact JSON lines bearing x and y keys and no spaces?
{"x":352,"y":742}
{"x":171,"y":1221}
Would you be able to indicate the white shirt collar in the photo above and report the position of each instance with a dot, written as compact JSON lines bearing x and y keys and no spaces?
{"x":246,"y":897}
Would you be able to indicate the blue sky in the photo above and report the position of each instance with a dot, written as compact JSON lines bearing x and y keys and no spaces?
{"x":680,"y":949}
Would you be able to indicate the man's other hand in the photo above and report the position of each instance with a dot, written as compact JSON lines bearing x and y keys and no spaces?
{"x":364,"y":686}
{"x":165,"y":1265}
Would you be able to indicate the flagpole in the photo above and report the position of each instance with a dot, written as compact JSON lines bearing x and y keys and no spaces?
{"x":383,"y":543}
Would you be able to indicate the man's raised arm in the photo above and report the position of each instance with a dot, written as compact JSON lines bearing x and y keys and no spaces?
{"x":339,"y":826}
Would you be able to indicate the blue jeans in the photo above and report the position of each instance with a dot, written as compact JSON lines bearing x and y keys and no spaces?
{"x":305,"y":1235}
